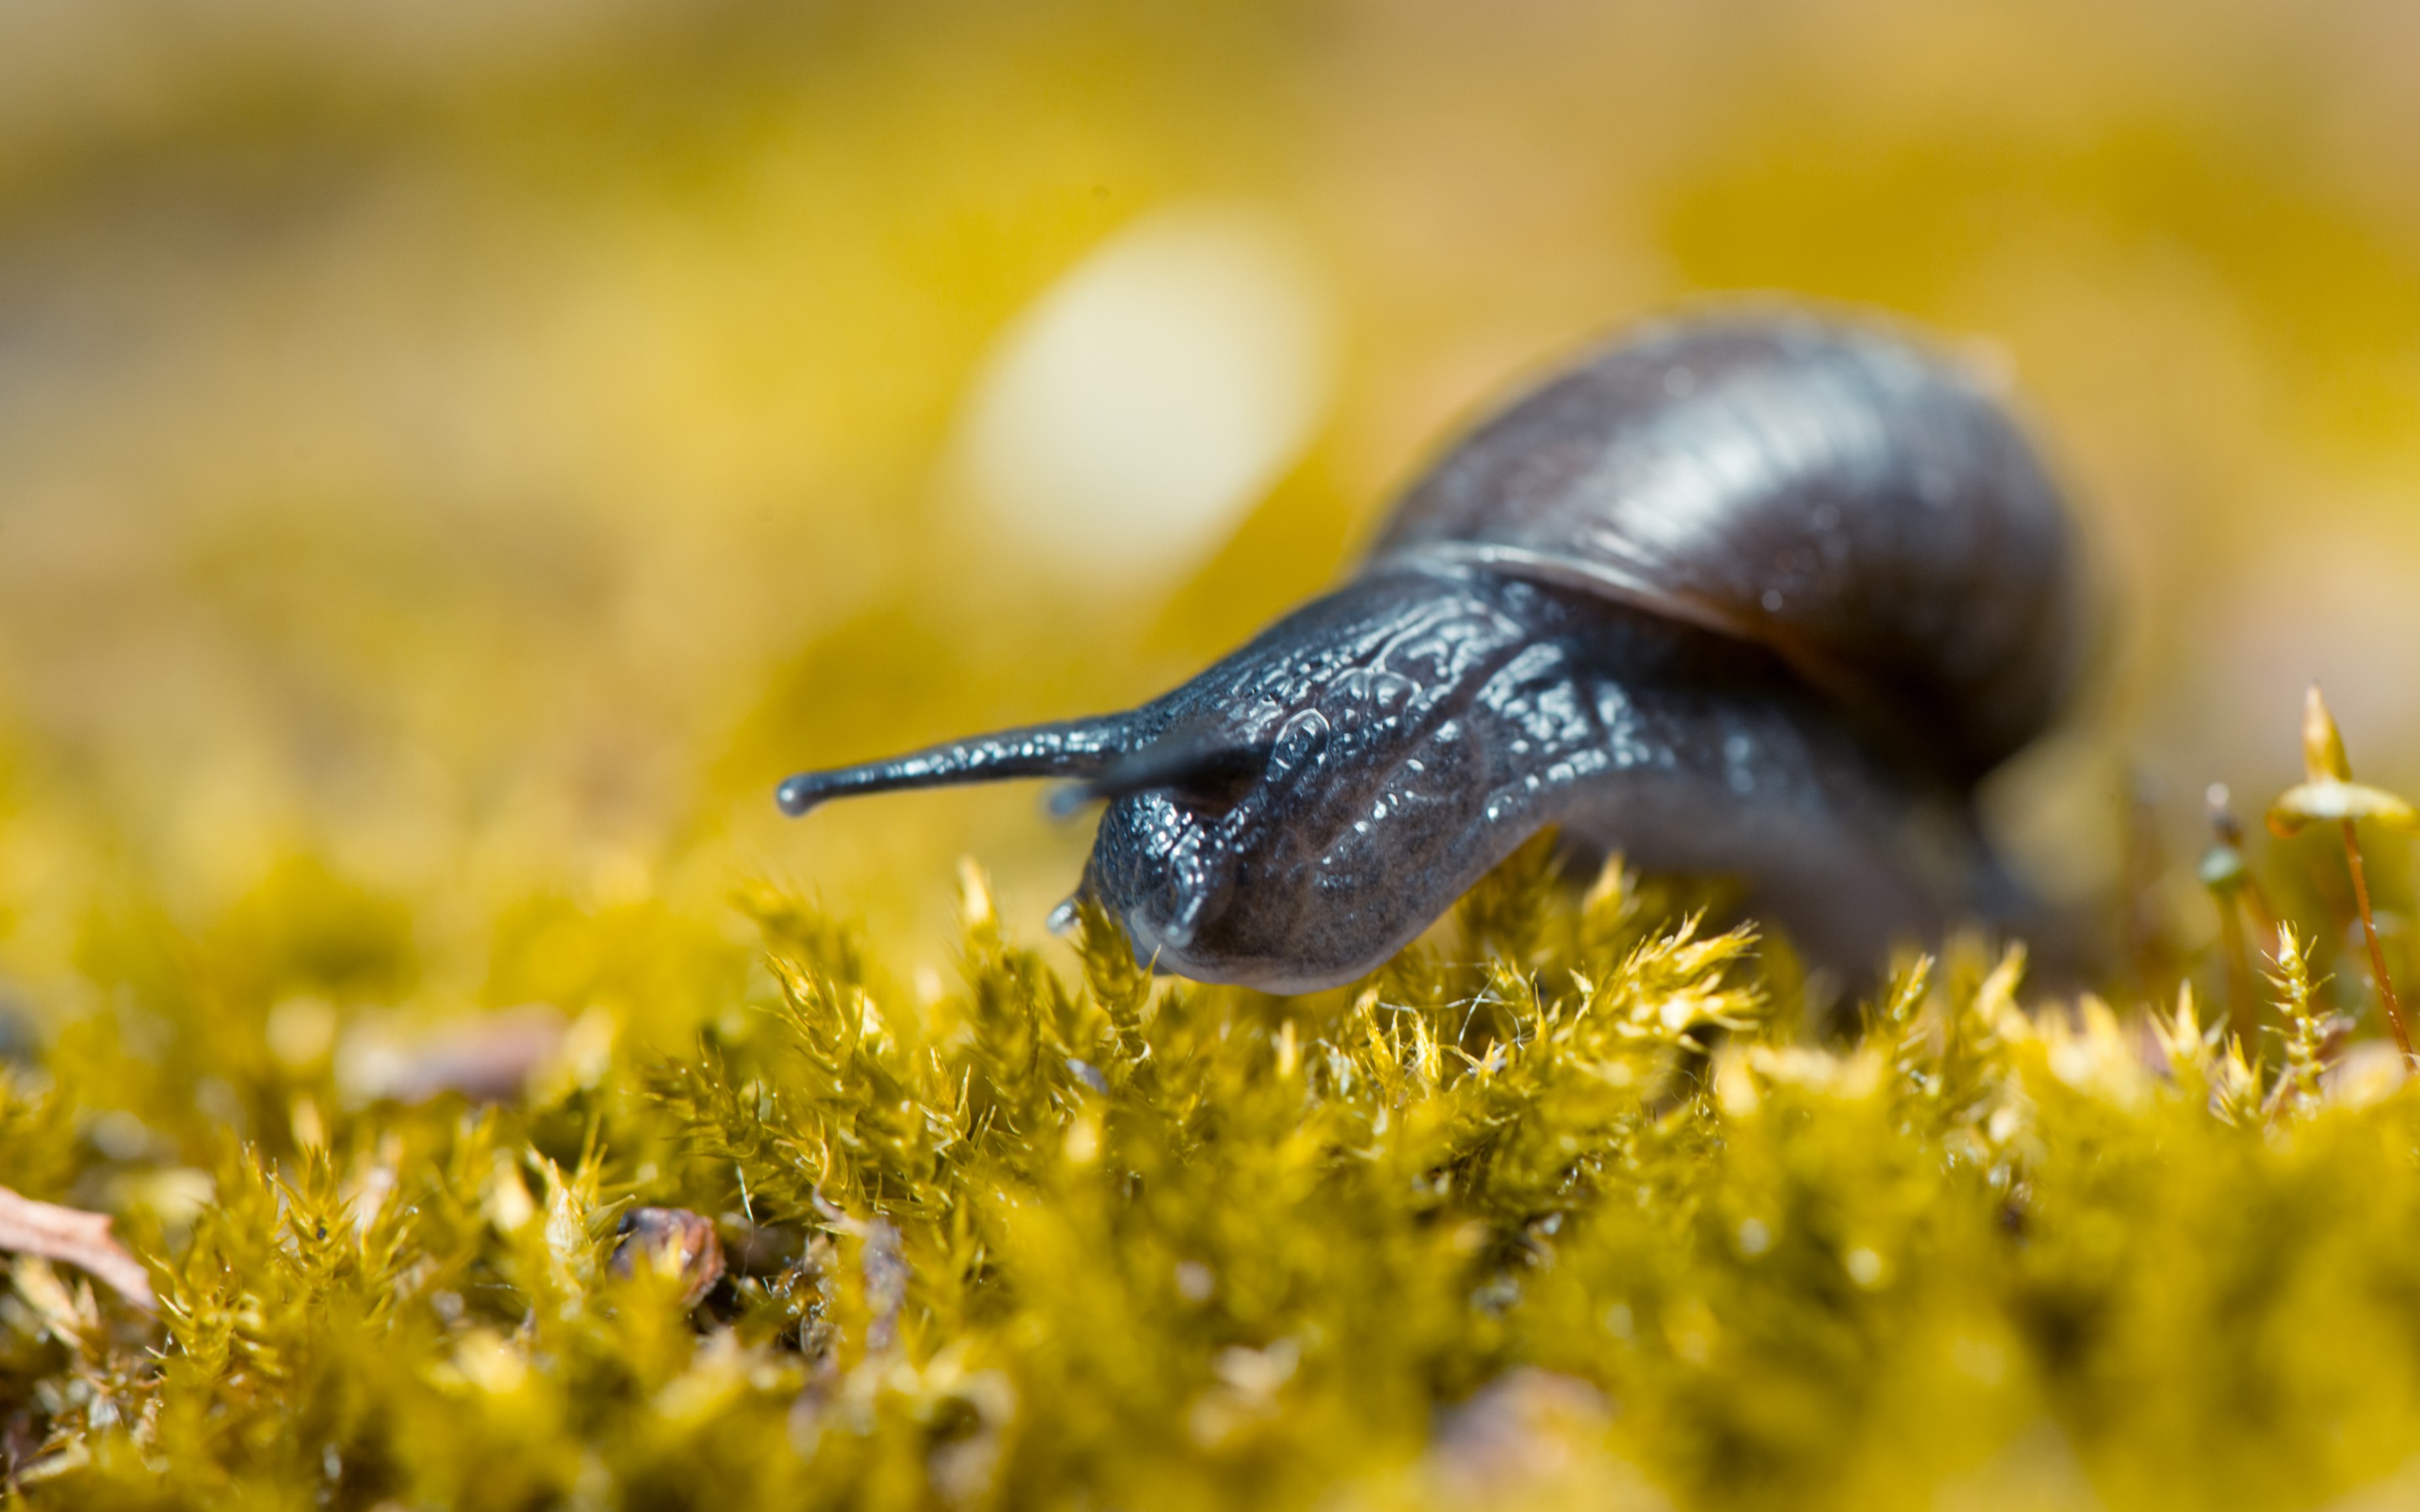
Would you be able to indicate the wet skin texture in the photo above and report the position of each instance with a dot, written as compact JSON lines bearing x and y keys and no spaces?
{"x":1441,"y":721}
{"x":1758,"y":597}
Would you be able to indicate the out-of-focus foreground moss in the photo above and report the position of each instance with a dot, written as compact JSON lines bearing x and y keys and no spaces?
{"x":1566,"y":1206}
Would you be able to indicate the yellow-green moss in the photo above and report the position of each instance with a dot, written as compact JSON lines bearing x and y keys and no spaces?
{"x":1563,"y":1208}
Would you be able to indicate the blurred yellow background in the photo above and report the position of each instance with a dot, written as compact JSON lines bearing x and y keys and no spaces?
{"x":460,"y":456}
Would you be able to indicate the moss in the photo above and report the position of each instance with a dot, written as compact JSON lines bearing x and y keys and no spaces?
{"x":1563,"y":1206}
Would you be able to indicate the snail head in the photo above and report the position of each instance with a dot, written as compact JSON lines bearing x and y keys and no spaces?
{"x":1296,"y":813}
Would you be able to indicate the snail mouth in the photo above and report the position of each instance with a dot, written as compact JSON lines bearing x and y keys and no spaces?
{"x":1180,"y":928}
{"x":1164,"y":862}
{"x":1165,"y":930}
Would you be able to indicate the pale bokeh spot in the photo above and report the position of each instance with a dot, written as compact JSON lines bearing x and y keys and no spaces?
{"x":1129,"y":417}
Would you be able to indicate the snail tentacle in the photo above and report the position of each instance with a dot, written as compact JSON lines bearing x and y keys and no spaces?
{"x":1069,"y":749}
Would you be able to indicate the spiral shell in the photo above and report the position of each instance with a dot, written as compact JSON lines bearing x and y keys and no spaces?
{"x":1865,"y":507}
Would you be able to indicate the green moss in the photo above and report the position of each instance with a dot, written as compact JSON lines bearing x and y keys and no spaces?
{"x":1565,"y":1206}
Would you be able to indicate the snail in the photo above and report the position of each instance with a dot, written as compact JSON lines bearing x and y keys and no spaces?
{"x":1755,"y":593}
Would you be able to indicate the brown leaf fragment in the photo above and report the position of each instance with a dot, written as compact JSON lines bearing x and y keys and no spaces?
{"x":73,"y":1236}
{"x":678,"y":1240}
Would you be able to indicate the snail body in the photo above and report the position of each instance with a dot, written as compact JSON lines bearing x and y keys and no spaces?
{"x":1761,"y":596}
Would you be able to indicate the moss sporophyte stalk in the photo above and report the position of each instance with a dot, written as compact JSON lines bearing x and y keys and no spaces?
{"x":1570,"y":1204}
{"x":2328,"y":793}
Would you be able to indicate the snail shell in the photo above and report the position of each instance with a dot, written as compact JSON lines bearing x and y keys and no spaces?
{"x":1863,"y":507}
{"x":1760,"y":594}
